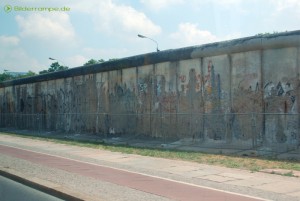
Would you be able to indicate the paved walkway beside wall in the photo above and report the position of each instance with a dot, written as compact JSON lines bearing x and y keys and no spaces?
{"x":261,"y":185}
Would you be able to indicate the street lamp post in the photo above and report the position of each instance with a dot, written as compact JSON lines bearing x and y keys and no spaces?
{"x":141,"y":36}
{"x":50,"y":58}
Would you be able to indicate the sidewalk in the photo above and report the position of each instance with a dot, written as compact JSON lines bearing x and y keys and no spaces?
{"x":263,"y":185}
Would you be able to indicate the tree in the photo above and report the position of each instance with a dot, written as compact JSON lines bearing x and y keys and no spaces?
{"x":93,"y":61}
{"x":14,"y":75}
{"x":5,"y":76}
{"x":113,"y":59}
{"x":54,"y":67}
{"x":43,"y":72}
{"x":28,"y":74}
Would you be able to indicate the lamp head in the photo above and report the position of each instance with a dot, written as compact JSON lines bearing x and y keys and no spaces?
{"x":141,"y":36}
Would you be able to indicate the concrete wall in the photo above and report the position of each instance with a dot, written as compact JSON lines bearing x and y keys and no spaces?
{"x":245,"y":90}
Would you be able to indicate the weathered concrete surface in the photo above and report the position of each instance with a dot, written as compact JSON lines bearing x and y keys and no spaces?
{"x":241,"y":91}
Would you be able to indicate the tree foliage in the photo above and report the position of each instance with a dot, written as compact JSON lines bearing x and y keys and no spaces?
{"x":54,"y":67}
{"x":28,"y":74}
{"x":11,"y":76}
{"x":93,"y":61}
{"x":4,"y":76}
{"x":113,"y":59}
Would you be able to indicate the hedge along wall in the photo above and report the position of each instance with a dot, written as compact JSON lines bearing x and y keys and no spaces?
{"x":240,"y":90}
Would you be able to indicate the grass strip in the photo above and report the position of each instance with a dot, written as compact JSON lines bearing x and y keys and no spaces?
{"x":247,"y":163}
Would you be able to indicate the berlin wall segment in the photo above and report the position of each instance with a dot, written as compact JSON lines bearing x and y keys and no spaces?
{"x":244,"y":90}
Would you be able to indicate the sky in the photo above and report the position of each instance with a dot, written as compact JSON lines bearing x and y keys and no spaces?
{"x":75,"y":31}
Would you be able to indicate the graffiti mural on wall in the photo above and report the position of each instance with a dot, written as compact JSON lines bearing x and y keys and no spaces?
{"x":212,"y":89}
{"x":285,"y":92}
{"x":164,"y":99}
{"x":201,"y":92}
{"x":210,"y":98}
{"x":281,"y":97}
{"x":214,"y":96}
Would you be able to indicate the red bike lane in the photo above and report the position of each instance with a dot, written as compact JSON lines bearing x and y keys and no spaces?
{"x":155,"y":185}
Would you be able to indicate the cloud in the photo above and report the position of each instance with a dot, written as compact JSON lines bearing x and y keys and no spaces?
{"x":231,"y":36}
{"x":13,"y":57}
{"x":282,"y":5}
{"x":98,"y":53}
{"x":9,"y":41}
{"x":233,"y":7}
{"x":160,"y":4}
{"x":117,"y":19}
{"x":287,"y":11}
{"x":130,"y":20}
{"x":227,"y":2}
{"x":285,"y":16}
{"x":189,"y":34}
{"x":95,"y":53}
{"x":218,"y":2}
{"x":76,"y":60}
{"x":52,"y":27}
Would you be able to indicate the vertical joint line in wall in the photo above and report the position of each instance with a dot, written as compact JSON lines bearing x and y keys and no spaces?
{"x":298,"y":94}
{"x":177,"y":92}
{"x":151,"y":96}
{"x":202,"y":98}
{"x":108,"y":87}
{"x":262,"y":96}
{"x":137,"y":80}
{"x":229,"y":132}
{"x":46,"y":105}
{"x":177,"y":83}
{"x":121,"y":81}
{"x":230,"y":80}
{"x":137,"y":91}
{"x":191,"y":97}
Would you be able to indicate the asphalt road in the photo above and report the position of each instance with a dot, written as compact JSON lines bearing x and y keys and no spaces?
{"x":145,"y":183}
{"x":14,"y":191}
